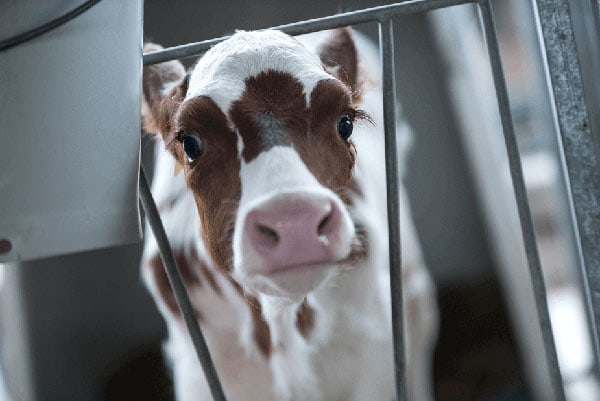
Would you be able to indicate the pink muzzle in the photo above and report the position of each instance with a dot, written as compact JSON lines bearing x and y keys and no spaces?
{"x":293,"y":230}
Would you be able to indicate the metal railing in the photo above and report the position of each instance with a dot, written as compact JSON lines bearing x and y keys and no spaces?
{"x":581,"y":162}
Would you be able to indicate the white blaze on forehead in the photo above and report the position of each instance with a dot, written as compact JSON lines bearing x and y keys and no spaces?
{"x":221,"y":73}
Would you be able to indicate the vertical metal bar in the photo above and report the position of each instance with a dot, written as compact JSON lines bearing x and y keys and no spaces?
{"x":386,"y":48}
{"x":580,"y":158}
{"x":181,"y":296}
{"x":595,"y":6}
{"x":537,"y":278}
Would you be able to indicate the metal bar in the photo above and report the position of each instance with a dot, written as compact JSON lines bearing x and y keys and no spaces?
{"x":595,"y":6}
{"x":380,"y":13}
{"x":516,"y":171}
{"x":386,"y":48}
{"x":181,"y":296}
{"x":580,"y":158}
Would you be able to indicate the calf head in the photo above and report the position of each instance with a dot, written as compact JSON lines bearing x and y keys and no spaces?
{"x":261,"y":128}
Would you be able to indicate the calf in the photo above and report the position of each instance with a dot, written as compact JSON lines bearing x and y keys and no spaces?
{"x":278,"y":221}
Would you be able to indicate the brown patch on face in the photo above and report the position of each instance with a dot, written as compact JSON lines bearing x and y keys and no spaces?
{"x":328,"y":157}
{"x":353,"y":192}
{"x":339,"y":57}
{"x":273,"y":111}
{"x":213,"y":176}
{"x":190,"y":279}
{"x":305,"y":319}
{"x":270,"y":111}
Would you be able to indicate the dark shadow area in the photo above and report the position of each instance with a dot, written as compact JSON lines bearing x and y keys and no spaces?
{"x":476,"y":357}
{"x":140,"y":375}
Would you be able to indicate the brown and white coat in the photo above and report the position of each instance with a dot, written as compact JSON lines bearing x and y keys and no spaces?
{"x":278,"y":222}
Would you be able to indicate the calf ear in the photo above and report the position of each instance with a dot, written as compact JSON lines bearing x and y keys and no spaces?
{"x":164,"y":87}
{"x":338,"y":55}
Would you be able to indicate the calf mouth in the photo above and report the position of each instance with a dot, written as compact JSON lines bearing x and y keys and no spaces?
{"x":295,"y":281}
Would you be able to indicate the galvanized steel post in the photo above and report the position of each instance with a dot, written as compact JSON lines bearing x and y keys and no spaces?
{"x":581,"y":161}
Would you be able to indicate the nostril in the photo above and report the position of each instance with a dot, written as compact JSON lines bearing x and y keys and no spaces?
{"x":324,"y":225}
{"x":268,"y":236}
{"x":290,"y":231}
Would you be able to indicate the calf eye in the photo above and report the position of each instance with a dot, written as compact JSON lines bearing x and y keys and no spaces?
{"x":192,"y":146}
{"x":345,"y":126}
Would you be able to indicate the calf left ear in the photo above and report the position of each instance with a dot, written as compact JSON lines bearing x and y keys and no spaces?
{"x":338,"y":55}
{"x":164,"y":87}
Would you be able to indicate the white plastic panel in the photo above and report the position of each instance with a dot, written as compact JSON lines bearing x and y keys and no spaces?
{"x":70,"y":129}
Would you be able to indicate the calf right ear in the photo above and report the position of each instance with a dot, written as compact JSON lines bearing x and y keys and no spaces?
{"x":164,"y":87}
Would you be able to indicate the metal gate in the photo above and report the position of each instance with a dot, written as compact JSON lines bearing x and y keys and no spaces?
{"x":579,"y":155}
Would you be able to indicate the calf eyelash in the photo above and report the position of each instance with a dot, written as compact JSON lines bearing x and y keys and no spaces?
{"x":361,"y":115}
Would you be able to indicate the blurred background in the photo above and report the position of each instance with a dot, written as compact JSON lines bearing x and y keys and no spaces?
{"x":82,"y":327}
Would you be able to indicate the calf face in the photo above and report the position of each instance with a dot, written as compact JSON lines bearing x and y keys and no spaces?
{"x":262,"y":131}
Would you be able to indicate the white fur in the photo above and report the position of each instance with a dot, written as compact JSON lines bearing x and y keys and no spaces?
{"x":348,"y":356}
{"x":225,"y":67}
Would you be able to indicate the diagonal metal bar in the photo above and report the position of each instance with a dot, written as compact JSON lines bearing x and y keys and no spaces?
{"x":580,"y":159}
{"x":516,"y":171}
{"x":380,"y":13}
{"x":181,"y":295}
{"x":386,"y":48}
